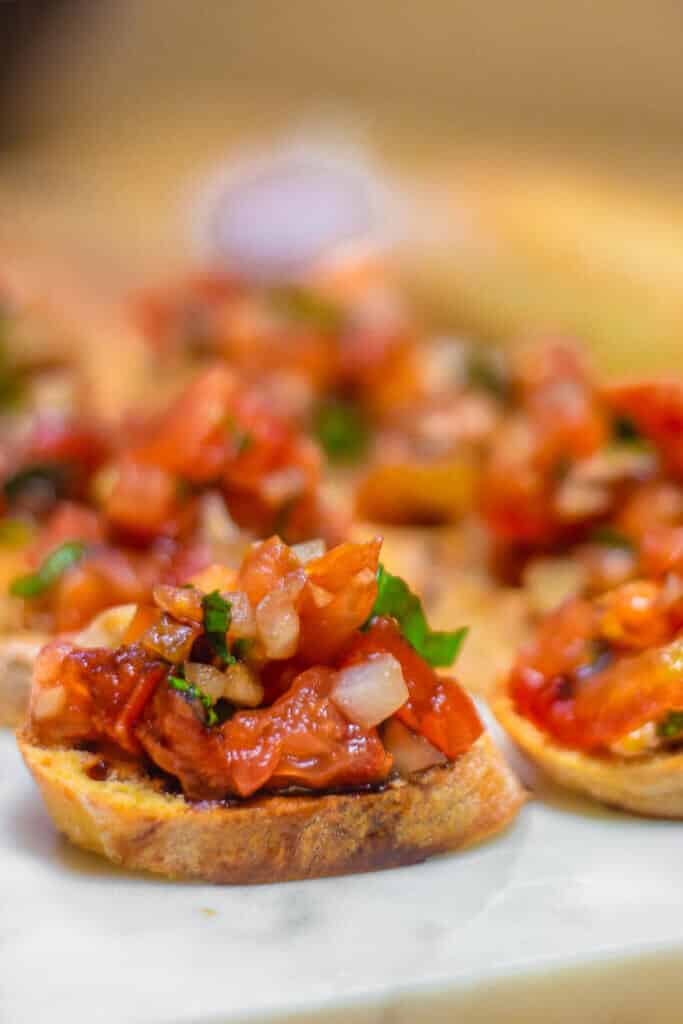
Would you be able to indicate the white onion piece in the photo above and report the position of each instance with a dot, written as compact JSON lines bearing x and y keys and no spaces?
{"x":107,"y":629}
{"x":242,"y":687}
{"x":242,"y":618}
{"x":48,"y":703}
{"x":237,"y":684}
{"x":309,"y":550}
{"x":210,"y":680}
{"x":411,"y":752}
{"x":371,"y":691}
{"x":282,"y":485}
{"x":277,"y":622}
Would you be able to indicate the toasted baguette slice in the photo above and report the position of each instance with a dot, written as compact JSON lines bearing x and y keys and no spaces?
{"x":17,"y":654}
{"x":651,"y":785}
{"x":276,"y":838}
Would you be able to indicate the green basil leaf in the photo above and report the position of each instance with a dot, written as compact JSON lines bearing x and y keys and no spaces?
{"x":58,"y":561}
{"x":396,"y":599}
{"x":217,"y":619}
{"x":671,"y":726}
{"x":342,"y":430}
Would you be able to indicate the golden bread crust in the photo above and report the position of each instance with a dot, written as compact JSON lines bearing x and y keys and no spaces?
{"x":17,"y":653}
{"x":277,"y":838}
{"x":651,"y":785}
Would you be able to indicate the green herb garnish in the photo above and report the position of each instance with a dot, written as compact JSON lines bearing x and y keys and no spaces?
{"x":309,"y":308}
{"x":217,"y":619}
{"x":612,"y":538}
{"x":193,"y":692}
{"x":395,"y":598}
{"x":671,"y":726}
{"x":57,"y":562}
{"x":342,"y":430}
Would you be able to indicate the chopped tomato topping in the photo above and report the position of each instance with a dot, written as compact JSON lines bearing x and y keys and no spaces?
{"x":437,"y":707}
{"x":599,"y":670}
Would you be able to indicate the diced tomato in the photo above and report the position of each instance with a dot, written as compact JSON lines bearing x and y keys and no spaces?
{"x":338,"y":600}
{"x":56,"y":439}
{"x":656,"y":408}
{"x":437,"y":708}
{"x":264,"y":566}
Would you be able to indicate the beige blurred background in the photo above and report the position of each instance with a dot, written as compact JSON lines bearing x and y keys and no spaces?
{"x":548,"y":136}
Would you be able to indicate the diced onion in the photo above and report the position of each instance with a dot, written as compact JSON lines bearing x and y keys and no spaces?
{"x":183,"y":603}
{"x":242,"y":687}
{"x":411,"y":752}
{"x":309,"y":550}
{"x":242,"y":618}
{"x":48,"y":703}
{"x":108,"y":628}
{"x":371,"y":691}
{"x":282,"y":485}
{"x":277,"y":622}
{"x":237,"y":684}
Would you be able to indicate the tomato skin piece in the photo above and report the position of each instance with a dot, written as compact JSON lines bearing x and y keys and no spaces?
{"x":348,"y":576}
{"x":437,"y":708}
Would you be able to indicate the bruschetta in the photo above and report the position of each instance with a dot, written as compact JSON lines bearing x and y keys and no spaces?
{"x":279,"y":721}
{"x":596,"y":700}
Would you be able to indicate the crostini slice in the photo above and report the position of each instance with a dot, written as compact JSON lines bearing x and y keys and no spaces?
{"x":282,"y":721}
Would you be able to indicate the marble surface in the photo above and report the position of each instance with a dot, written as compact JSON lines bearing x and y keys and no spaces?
{"x":509,"y":925}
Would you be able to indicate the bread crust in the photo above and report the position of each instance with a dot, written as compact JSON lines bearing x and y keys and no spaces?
{"x":651,"y":785}
{"x":18,"y":651}
{"x":277,"y":838}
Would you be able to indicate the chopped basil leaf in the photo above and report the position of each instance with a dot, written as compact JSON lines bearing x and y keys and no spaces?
{"x":217,"y":618}
{"x":309,"y":308}
{"x":671,"y":726}
{"x":57,"y":562}
{"x":612,"y":538}
{"x":49,"y":478}
{"x":193,"y":692}
{"x":625,"y":431}
{"x":395,"y":598}
{"x":484,"y":373}
{"x":341,"y":429}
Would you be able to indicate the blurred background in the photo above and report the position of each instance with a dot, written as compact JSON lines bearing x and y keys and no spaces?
{"x":545,"y":140}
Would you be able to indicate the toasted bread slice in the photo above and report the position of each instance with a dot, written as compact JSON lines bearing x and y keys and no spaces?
{"x":17,"y":654}
{"x":651,"y":785}
{"x":276,"y":838}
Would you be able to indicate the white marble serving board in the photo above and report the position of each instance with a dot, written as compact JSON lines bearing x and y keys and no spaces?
{"x":576,"y":913}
